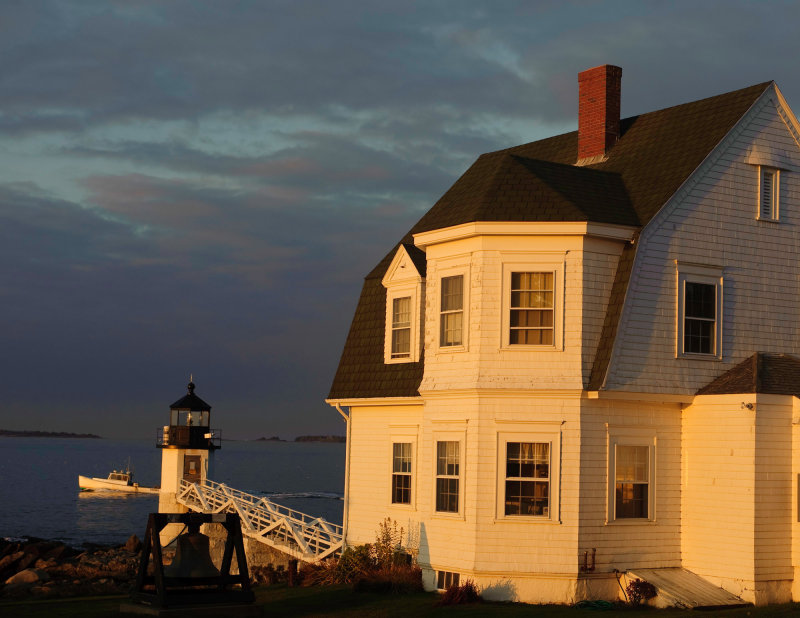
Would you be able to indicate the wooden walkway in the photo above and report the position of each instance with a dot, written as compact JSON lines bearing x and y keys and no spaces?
{"x":302,"y":536}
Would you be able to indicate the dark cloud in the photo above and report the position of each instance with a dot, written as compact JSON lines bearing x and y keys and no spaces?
{"x":200,"y":187}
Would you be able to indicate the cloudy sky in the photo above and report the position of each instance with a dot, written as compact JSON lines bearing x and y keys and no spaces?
{"x":200,"y":187}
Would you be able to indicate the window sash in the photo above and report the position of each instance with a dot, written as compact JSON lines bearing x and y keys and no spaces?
{"x":447,"y":476}
{"x":452,"y":311}
{"x":631,"y":482}
{"x":700,"y":317}
{"x":532,"y":308}
{"x":527,"y":479}
{"x":401,"y":327}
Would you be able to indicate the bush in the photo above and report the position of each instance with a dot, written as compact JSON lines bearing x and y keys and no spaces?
{"x":459,"y":595}
{"x":639,"y":590}
{"x":382,"y":566}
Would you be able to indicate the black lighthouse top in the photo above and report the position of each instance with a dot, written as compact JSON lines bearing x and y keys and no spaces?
{"x":189,"y":425}
{"x":191,"y":402}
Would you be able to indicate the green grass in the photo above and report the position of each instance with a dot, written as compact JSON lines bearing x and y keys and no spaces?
{"x":341,"y":602}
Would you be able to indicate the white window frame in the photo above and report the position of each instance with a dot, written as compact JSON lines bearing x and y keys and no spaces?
{"x":770,"y":211}
{"x":443,"y":273}
{"x":534,"y":263}
{"x":538,"y":433}
{"x":413,"y":292}
{"x":707,"y":275}
{"x":460,"y":439}
{"x":411,"y":474}
{"x":631,"y":436}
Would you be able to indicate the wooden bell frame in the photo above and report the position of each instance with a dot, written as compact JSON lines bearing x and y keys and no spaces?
{"x":160,"y":591}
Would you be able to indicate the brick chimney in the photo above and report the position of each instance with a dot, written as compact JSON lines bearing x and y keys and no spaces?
{"x":598,"y":111}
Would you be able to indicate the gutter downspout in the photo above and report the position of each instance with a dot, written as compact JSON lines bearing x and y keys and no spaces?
{"x":346,"y":508}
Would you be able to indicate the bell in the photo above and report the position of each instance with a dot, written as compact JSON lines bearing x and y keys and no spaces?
{"x":192,"y":557}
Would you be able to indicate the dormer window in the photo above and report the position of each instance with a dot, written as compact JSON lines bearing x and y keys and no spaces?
{"x":401,"y":327}
{"x":768,"y":194}
{"x":405,"y":290}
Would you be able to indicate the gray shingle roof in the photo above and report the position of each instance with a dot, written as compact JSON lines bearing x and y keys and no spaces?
{"x":538,"y":181}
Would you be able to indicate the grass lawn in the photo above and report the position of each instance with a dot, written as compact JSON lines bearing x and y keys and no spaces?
{"x":341,"y":602}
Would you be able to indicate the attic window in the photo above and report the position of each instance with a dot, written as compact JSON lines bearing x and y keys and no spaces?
{"x":405,"y":291}
{"x":768,"y":194}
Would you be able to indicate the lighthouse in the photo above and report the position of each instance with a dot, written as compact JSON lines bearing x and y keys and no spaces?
{"x":185,"y":444}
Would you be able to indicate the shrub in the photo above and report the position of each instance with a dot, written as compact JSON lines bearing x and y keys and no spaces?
{"x":459,"y":595}
{"x":382,"y":566}
{"x":639,"y":590}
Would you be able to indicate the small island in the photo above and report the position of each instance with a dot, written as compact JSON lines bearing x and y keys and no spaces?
{"x":271,"y":439}
{"x":9,"y":433}
{"x":338,"y":439}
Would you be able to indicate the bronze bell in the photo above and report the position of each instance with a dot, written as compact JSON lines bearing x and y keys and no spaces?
{"x":192,"y":557}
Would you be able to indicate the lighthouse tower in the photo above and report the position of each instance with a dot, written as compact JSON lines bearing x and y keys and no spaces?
{"x":186,"y":443}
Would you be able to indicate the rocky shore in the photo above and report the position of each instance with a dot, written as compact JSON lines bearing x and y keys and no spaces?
{"x":37,"y":568}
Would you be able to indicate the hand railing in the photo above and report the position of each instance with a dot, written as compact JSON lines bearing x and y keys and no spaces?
{"x":303,"y":536}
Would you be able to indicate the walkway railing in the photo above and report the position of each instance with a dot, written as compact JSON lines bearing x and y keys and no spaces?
{"x":302,"y":536}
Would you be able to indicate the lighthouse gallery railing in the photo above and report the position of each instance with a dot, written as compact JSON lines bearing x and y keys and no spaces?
{"x":304,"y":537}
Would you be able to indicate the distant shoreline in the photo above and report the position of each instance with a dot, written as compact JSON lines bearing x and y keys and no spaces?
{"x":8,"y":433}
{"x":336,"y":439}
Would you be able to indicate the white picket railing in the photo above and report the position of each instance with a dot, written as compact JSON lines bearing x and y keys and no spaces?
{"x":304,"y":537}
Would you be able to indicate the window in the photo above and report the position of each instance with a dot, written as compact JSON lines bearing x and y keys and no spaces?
{"x":631,"y":482}
{"x":527,"y":481}
{"x":699,"y":311}
{"x":452,"y":311}
{"x":405,"y":291}
{"x":401,"y":473}
{"x":447,"y":476}
{"x":532,"y":308}
{"x":446,"y":579}
{"x":768,"y":193}
{"x":401,"y":327}
{"x":631,"y":474}
{"x":700,"y":317}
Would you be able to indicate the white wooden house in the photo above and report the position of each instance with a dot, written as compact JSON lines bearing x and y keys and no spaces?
{"x":585,"y":359}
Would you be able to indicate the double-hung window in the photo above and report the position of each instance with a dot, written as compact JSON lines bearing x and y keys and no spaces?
{"x":452,"y":312}
{"x":401,"y":472}
{"x":699,"y":318}
{"x":699,"y":311}
{"x":632,"y":482}
{"x":532,"y":308}
{"x":401,"y":327}
{"x":527,"y":481}
{"x":448,"y":460}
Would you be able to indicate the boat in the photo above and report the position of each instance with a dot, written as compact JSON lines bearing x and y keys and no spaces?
{"x":118,"y":480}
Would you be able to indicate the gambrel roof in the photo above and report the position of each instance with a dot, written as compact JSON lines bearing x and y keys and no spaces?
{"x":656,"y":153}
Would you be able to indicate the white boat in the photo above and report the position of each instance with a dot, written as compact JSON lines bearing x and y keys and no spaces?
{"x":118,"y":480}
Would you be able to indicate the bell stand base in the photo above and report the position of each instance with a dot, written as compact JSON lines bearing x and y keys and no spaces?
{"x":159,"y":595}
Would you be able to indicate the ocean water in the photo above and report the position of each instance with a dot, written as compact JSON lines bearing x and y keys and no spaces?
{"x":39,"y":493}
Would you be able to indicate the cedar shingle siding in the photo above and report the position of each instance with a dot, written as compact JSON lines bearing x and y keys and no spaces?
{"x":539,"y":181}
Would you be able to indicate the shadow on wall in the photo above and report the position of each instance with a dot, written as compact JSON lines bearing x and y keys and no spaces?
{"x":502,"y":590}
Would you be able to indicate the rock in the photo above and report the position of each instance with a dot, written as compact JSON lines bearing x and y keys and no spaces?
{"x":10,"y":560}
{"x":28,"y":576}
{"x":133,"y":544}
{"x":55,"y":553}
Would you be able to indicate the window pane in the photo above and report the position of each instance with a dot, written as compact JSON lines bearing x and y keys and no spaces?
{"x":401,"y":342}
{"x":632,"y":463}
{"x":532,"y":302}
{"x":401,"y":457}
{"x":527,"y":460}
{"x":401,"y":488}
{"x":447,"y":495}
{"x":631,"y":500}
{"x":701,"y":300}
{"x":451,"y":329}
{"x":452,"y":293}
{"x":401,"y":312}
